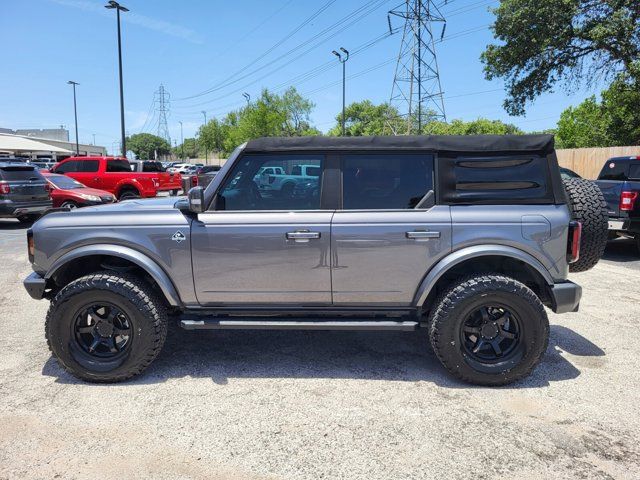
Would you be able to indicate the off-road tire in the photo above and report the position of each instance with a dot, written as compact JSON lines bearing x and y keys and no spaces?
{"x":128,"y":193}
{"x":147,"y":313}
{"x":588,"y":206}
{"x":453,"y":307}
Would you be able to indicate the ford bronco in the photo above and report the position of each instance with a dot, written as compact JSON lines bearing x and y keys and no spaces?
{"x":469,"y":237}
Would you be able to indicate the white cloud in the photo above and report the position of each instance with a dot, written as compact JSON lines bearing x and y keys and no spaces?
{"x":149,"y":23}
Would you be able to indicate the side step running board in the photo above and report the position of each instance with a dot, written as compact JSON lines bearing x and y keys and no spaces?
{"x":256,"y":324}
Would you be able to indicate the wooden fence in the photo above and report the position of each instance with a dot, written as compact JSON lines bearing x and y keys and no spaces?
{"x":587,"y":162}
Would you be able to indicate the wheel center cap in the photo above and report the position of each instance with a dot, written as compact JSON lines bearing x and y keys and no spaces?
{"x":104,"y":329}
{"x":489,"y":331}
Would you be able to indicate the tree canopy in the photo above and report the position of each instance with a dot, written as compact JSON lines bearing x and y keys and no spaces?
{"x":364,"y":118}
{"x":190,"y":149}
{"x":270,"y":115}
{"x":546,"y":42}
{"x":146,"y":145}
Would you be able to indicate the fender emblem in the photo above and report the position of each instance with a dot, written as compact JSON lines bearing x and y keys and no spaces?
{"x":178,"y":237}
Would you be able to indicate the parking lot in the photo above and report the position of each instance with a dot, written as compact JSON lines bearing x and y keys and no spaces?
{"x":309,"y":405}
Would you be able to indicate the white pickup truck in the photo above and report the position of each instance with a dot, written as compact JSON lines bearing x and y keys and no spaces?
{"x":274,"y":179}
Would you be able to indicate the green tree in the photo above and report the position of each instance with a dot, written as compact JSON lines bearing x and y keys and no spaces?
{"x":481,"y":126}
{"x":546,"y":42}
{"x":190,"y":149}
{"x":583,"y":126}
{"x":621,"y":102}
{"x":146,"y":145}
{"x":365,"y":118}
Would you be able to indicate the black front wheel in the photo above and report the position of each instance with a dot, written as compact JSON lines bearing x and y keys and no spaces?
{"x":106,"y":327}
{"x":489,"y":329}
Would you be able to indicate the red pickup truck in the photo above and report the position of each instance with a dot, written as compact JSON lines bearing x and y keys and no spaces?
{"x":114,"y":174}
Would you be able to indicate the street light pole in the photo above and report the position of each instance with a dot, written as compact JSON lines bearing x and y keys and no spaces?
{"x":75,"y":113}
{"x":247,"y":97}
{"x":115,"y":5}
{"x":206,"y":153}
{"x":343,"y":60}
{"x":181,"y":142}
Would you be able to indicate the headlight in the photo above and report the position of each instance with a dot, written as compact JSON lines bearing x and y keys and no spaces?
{"x":91,"y":198}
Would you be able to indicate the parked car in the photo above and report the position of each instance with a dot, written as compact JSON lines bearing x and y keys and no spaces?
{"x":283,"y":183}
{"x":24,"y":193}
{"x":205,"y":174}
{"x":173,"y":184}
{"x":469,"y":237}
{"x":114,"y":175}
{"x":619,"y":181}
{"x":69,"y":193}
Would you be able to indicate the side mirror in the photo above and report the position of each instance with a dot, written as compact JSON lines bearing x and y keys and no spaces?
{"x":196,"y":199}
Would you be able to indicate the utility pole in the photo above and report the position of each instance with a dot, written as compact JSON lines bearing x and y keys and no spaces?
{"x":75,"y":113}
{"x":181,"y":142}
{"x":163,"y":107}
{"x":94,"y":138}
{"x":206,"y":154}
{"x":343,"y":60}
{"x":115,"y":5}
{"x":417,"y":91}
{"x":247,"y":97}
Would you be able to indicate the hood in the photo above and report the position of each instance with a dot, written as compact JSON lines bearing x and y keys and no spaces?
{"x":138,"y":204}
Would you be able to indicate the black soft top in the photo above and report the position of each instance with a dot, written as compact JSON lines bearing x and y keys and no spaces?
{"x":437,"y":143}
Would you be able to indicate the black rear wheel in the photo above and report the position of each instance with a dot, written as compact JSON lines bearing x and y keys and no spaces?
{"x":489,"y":329}
{"x":128,"y":194}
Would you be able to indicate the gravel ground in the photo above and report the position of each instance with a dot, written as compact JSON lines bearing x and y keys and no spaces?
{"x":311,"y":405}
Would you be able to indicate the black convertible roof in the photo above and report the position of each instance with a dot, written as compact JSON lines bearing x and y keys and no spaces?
{"x":437,"y":143}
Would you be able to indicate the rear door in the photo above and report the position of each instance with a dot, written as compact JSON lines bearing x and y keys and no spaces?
{"x":87,"y":173}
{"x":611,"y":181}
{"x":383,"y":240}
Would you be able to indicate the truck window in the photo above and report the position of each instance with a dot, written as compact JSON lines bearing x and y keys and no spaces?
{"x":385,"y":182}
{"x":68,"y":167}
{"x":117,"y":165}
{"x":634,"y":171}
{"x":614,"y":170}
{"x":88,"y":166}
{"x":270,"y":182}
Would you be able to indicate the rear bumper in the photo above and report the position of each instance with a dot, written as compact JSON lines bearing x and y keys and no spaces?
{"x":15,"y":209}
{"x":565,"y":297}
{"x":35,"y":286}
{"x":625,"y":225}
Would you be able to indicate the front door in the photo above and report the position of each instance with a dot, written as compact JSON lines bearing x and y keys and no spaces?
{"x":388,"y":233}
{"x":264,"y":247}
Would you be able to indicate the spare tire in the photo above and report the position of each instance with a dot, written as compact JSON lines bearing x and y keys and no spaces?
{"x":587,"y":206}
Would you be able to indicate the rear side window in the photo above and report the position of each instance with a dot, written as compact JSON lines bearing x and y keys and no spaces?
{"x":495,"y":180}
{"x":152,"y":167}
{"x":634,"y":171}
{"x":118,"y":166}
{"x":385,"y":182}
{"x":13,"y":174}
{"x":614,"y":170}
{"x":68,"y":167}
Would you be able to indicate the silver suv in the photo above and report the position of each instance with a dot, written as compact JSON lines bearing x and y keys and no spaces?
{"x":470,"y":237}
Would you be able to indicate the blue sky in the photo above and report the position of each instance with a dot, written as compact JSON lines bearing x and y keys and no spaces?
{"x":195,"y":45}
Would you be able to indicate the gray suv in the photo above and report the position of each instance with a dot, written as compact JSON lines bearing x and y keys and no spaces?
{"x":470,"y":237}
{"x":24,"y":193}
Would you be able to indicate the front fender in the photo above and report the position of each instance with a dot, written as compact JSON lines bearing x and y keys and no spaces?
{"x":468,"y":253}
{"x":140,"y":259}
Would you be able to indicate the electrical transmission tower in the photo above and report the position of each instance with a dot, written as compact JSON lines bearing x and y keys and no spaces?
{"x":161,"y":101}
{"x":416,"y":91}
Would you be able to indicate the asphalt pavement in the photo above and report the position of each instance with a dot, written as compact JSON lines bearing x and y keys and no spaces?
{"x":313,"y":405}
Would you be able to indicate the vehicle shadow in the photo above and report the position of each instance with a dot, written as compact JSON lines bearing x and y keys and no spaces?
{"x":621,"y":250}
{"x":395,"y":356}
{"x":11,"y":224}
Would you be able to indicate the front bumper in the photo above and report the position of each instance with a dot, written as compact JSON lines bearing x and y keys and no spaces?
{"x":35,"y":286}
{"x":565,"y":297}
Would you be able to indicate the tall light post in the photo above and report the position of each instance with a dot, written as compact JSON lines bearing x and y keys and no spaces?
{"x":247,"y":97}
{"x":75,"y":113}
{"x":343,"y":60}
{"x":181,"y":142}
{"x":206,"y":153}
{"x":119,"y":8}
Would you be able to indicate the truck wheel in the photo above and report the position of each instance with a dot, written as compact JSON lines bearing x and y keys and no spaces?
{"x":287,"y":190}
{"x":489,"y":329}
{"x":588,"y":206}
{"x":128,"y":193}
{"x":106,"y":327}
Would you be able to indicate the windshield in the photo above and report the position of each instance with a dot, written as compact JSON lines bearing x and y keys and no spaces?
{"x":64,"y":183}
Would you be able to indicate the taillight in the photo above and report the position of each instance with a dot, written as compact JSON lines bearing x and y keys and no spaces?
{"x":5,"y":188}
{"x":31,"y":246}
{"x":628,"y":200}
{"x":573,"y":245}
{"x":194,"y":181}
{"x":47,"y":187}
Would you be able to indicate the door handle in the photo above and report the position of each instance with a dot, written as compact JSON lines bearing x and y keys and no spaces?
{"x":422,"y":234}
{"x":302,"y":235}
